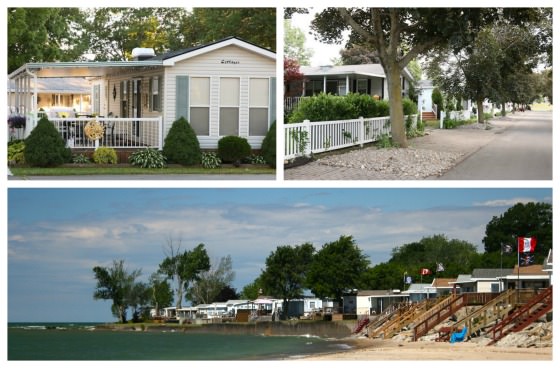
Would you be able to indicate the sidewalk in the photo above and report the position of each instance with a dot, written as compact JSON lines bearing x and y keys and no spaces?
{"x":430,"y":151}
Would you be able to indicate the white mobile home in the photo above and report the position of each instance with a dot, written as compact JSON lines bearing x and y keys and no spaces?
{"x":224,"y":88}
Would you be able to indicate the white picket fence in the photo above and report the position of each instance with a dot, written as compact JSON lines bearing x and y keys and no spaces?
{"x":302,"y":139}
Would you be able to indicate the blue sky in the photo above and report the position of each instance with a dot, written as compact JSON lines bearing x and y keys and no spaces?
{"x":56,"y":236}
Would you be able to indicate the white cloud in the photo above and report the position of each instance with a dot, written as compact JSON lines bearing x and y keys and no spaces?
{"x":505,"y":202}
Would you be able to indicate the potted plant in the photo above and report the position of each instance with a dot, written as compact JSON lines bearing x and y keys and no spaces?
{"x":16,"y":121}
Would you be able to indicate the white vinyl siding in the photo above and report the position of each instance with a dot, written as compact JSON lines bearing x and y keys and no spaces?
{"x":210,"y":65}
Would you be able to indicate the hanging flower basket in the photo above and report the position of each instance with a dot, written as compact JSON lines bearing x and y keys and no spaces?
{"x":17,"y":121}
{"x":94,"y":130}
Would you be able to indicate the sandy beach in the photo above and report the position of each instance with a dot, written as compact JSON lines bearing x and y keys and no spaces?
{"x":428,"y":350}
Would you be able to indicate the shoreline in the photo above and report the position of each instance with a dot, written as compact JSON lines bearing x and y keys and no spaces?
{"x":428,"y":350}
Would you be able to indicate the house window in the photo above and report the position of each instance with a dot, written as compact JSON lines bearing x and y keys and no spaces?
{"x":361,"y":86}
{"x":229,"y":106}
{"x":155,"y":96}
{"x":313,"y":87}
{"x":200,"y":105}
{"x":258,"y":106}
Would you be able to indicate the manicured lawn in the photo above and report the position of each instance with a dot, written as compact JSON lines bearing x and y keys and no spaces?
{"x":130,"y":170}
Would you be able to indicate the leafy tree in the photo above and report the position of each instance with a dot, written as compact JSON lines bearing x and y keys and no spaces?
{"x":457,"y":256}
{"x":253,"y":290}
{"x":293,"y":78}
{"x":437,"y":99}
{"x":530,"y":219}
{"x":115,"y":283}
{"x":43,"y":34}
{"x":268,"y":146}
{"x":336,"y":267}
{"x":161,"y":294}
{"x":138,"y":299}
{"x":285,"y":272}
{"x":184,"y":267}
{"x":357,"y":54}
{"x":384,"y":276}
{"x":212,"y":282}
{"x":256,"y":25}
{"x":227,"y":293}
{"x":399,"y":35}
{"x":294,"y":44}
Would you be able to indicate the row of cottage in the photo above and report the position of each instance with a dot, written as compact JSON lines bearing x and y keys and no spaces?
{"x":370,"y":302}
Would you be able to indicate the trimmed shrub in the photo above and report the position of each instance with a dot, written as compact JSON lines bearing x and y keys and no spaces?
{"x":437,"y":98}
{"x":45,"y":147}
{"x":210,"y":160}
{"x":104,"y":156}
{"x":409,"y":107}
{"x":268,"y":147}
{"x":181,"y":144}
{"x":323,"y":107}
{"x":233,"y":149}
{"x":148,"y":158}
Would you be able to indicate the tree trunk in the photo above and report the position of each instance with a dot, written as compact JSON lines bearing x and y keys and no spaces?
{"x":398,"y":130}
{"x":480,"y":108}
{"x":503,"y":109}
{"x":179,"y":300}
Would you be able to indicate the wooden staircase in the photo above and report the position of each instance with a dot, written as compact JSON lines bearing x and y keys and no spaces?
{"x":394,"y":326}
{"x":437,"y":314}
{"x":494,"y":310}
{"x":361,"y":324}
{"x":523,"y":316}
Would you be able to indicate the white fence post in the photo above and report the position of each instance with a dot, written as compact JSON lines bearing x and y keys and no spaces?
{"x":362,"y":134}
{"x":307,"y":137}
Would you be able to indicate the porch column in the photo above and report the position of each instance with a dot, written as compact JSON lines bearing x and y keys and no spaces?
{"x":325,"y":84}
{"x":347,"y":84}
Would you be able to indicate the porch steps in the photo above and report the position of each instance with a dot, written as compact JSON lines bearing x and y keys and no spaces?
{"x":494,"y":310}
{"x":437,"y":314}
{"x":523,"y":316}
{"x":428,"y":115}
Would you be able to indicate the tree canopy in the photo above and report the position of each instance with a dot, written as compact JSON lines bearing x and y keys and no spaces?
{"x":116,"y":283}
{"x":399,"y":35}
{"x":212,"y":282}
{"x":294,"y":44}
{"x":73,"y":34}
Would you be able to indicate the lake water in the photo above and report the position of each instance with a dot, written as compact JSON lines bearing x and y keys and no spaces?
{"x":81,"y":341}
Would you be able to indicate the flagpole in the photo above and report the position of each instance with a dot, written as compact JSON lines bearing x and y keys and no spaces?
{"x":518,"y":284}
{"x":501,"y":264}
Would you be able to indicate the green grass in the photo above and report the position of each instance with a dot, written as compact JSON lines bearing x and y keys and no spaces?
{"x":431,"y":123}
{"x":541,"y":107}
{"x":128,"y":170}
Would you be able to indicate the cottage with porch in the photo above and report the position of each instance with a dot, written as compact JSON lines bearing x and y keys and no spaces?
{"x":227,"y":87}
{"x":344,"y":79}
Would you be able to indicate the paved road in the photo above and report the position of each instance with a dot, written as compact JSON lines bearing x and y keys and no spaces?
{"x":521,"y":151}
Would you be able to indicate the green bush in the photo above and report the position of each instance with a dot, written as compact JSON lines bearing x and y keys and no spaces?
{"x":233,"y":149}
{"x":181,"y":144}
{"x":383,"y":108}
{"x":268,"y":146}
{"x":44,"y":147}
{"x":104,"y":156}
{"x":210,"y":160}
{"x":256,"y":160}
{"x":323,"y":107}
{"x":147,"y":158}
{"x":409,"y":107}
{"x":437,"y":98}
{"x":16,"y":150}
{"x":80,"y":159}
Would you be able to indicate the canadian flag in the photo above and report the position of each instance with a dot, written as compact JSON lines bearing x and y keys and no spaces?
{"x":425,"y":271}
{"x":526,"y":244}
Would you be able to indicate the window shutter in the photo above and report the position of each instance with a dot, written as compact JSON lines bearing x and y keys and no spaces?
{"x":182,"y":97}
{"x":272,"y":103}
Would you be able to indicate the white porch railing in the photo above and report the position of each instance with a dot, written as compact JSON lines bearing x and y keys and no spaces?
{"x":291,"y":103}
{"x":119,"y":132}
{"x":302,"y":139}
